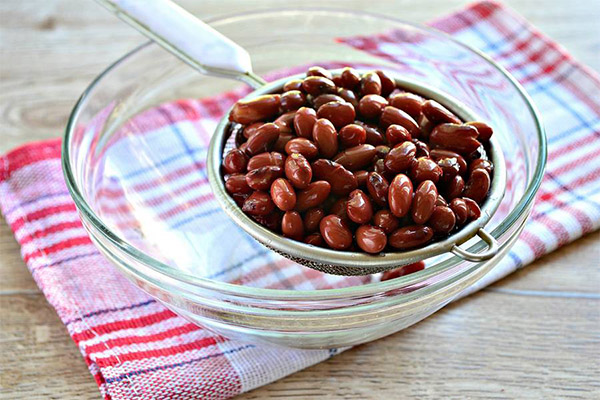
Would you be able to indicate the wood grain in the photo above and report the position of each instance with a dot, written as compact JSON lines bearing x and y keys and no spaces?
{"x":532,"y":335}
{"x":494,"y":344}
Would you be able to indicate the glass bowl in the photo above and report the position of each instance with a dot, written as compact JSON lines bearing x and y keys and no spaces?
{"x":134,"y":160}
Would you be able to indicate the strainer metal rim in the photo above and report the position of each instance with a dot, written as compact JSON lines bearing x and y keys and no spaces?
{"x":96,"y":222}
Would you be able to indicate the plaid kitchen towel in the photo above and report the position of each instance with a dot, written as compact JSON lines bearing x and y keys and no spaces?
{"x":136,"y":348}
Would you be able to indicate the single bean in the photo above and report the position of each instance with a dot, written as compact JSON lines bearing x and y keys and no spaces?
{"x":392,"y":115}
{"x":388,"y":84}
{"x":294,"y":84}
{"x":283,"y":194}
{"x":370,"y":239}
{"x":370,"y":83}
{"x":236,"y":183}
{"x":440,"y":201}
{"x":438,"y":114}
{"x":319,"y":71}
{"x":409,"y":237}
{"x":455,"y":187}
{"x":361,"y":177}
{"x":257,"y":109}
{"x":442,"y":220}
{"x":438,"y":154}
{"x":298,"y":170}
{"x":312,"y":217}
{"x":473,"y":207}
{"x":450,"y":168}
{"x":356,"y":157}
{"x":410,"y":103}
{"x":400,"y":195}
{"x":304,"y":121}
{"x":237,"y":131}
{"x":422,"y":148}
{"x":340,"y":208}
{"x":250,"y":130}
{"x":235,"y":161}
{"x":263,"y":140}
{"x":292,"y":225}
{"x":461,"y":212}
{"x":302,"y":146}
{"x":480,"y":153}
{"x":359,"y":207}
{"x":292,"y":100}
{"x":337,"y":81}
{"x":481,"y":163}
{"x":285,"y":122}
{"x":350,"y":78}
{"x":424,"y":202}
{"x":262,"y":160}
{"x":379,"y":167}
{"x":340,"y":113}
{"x":374,"y":136}
{"x":352,"y":135}
{"x":240,"y":198}
{"x":381,"y":151}
{"x":325,"y":137}
{"x":316,"y":85}
{"x":326,"y":98}
{"x":425,"y":169}
{"x":426,"y":126}
{"x":262,"y":178}
{"x":478,"y":185}
{"x":459,"y":138}
{"x":378,"y":188}
{"x":336,"y":233}
{"x":397,"y":134}
{"x":385,"y":220}
{"x":401,"y":157}
{"x":349,"y":96}
{"x":314,"y":194}
{"x":282,"y":140}
{"x":341,"y":180}
{"x":258,"y":203}
{"x":270,"y":221}
{"x":485,"y":131}
{"x":315,"y":239}
{"x":371,"y":106}
{"x":402,"y":271}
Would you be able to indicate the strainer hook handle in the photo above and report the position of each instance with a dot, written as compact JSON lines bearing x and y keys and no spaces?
{"x":493,"y":248}
{"x":187,"y":37}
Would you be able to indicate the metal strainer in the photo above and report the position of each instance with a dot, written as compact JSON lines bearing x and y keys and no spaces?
{"x":210,"y":52}
{"x":357,"y":263}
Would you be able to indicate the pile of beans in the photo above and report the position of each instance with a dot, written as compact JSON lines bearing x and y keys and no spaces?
{"x":354,"y":162}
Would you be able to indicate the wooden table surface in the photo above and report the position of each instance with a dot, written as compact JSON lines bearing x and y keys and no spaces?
{"x":535,"y":334}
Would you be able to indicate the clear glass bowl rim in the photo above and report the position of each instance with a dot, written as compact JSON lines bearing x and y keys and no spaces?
{"x":361,"y":290}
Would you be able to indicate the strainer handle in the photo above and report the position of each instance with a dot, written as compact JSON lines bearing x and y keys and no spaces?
{"x":492,"y":250}
{"x":187,"y":37}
